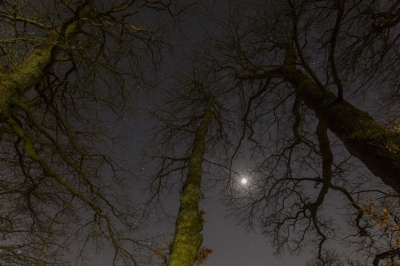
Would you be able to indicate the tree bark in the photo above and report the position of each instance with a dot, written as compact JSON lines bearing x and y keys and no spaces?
{"x":188,"y":239}
{"x":26,"y":74}
{"x":373,"y":144}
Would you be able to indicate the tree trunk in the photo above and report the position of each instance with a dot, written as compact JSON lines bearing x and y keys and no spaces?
{"x":373,"y":144}
{"x":188,"y":239}
{"x":25,"y":75}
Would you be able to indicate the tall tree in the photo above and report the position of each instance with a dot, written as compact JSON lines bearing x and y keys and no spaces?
{"x":190,"y":144}
{"x":187,"y":240}
{"x":301,"y":68}
{"x":65,"y":67}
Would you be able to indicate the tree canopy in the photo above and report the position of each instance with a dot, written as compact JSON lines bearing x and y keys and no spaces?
{"x":68,"y":70}
{"x":304,"y":93}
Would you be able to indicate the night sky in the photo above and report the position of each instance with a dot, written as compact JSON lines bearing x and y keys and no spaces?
{"x":236,"y":241}
{"x":233,"y":245}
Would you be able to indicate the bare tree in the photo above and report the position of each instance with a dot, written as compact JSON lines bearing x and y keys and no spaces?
{"x":68,"y":68}
{"x":187,"y":240}
{"x":304,"y":71}
{"x":189,"y":148}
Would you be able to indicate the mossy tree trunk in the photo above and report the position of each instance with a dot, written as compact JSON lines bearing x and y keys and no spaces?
{"x":373,"y":144}
{"x":188,"y":239}
{"x":21,"y":78}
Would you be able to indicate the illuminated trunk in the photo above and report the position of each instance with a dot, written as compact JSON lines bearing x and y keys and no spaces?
{"x":17,"y":81}
{"x":373,"y":144}
{"x":188,"y":239}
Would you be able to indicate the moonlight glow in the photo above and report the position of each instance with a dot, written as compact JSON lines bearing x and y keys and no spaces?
{"x":244,"y":181}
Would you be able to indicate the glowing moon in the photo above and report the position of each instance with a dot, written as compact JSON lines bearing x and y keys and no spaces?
{"x":244,"y":181}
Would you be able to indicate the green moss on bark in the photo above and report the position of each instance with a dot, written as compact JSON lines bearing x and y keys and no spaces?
{"x":373,"y":144}
{"x":31,"y":70}
{"x":188,"y":239}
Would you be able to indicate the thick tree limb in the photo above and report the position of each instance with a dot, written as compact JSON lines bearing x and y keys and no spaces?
{"x":26,"y":74}
{"x":373,"y":144}
{"x":384,"y":255}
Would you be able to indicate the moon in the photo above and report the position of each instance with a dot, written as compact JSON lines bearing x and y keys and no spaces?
{"x":244,"y":181}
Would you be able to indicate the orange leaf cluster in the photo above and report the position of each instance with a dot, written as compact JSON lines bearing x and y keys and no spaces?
{"x":203,"y":255}
{"x":385,"y":220}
